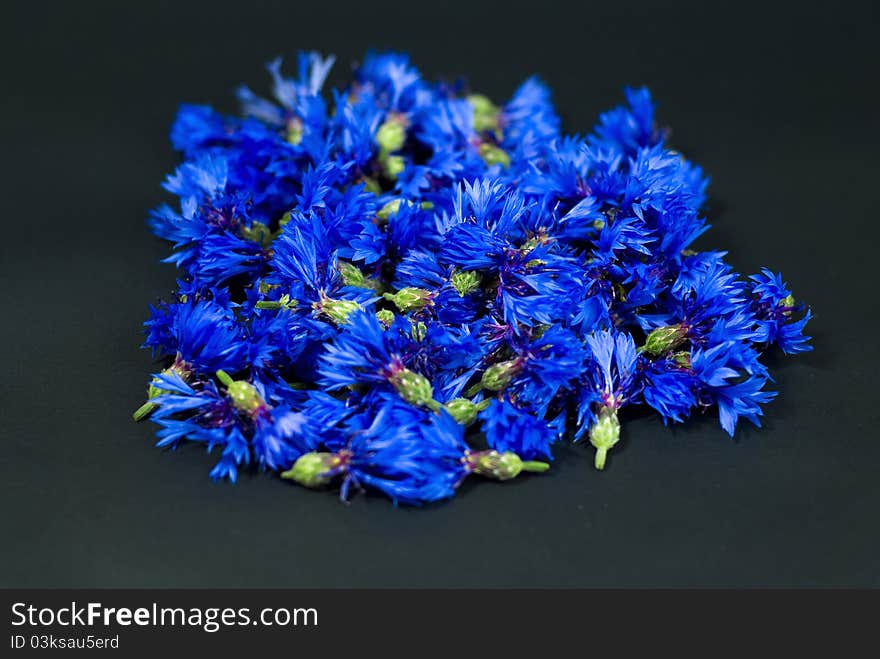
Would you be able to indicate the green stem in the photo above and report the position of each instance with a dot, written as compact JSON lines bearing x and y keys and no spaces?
{"x":144,"y":411}
{"x":473,"y":391}
{"x":601,"y":454}
{"x":535,"y":466}
{"x":224,"y":377}
{"x":268,"y":305}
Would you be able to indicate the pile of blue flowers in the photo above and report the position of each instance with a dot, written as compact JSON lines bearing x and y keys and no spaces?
{"x":401,"y":284}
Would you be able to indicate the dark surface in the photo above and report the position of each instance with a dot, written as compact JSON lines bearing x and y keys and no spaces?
{"x":779,"y":105}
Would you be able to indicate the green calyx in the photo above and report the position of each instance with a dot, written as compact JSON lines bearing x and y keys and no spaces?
{"x":386,"y":317}
{"x":391,"y":135}
{"x":498,"y":376}
{"x":284,"y":302}
{"x":465,"y":411}
{"x":493,"y":155}
{"x":258,"y":232}
{"x":392,"y":207}
{"x":502,"y":466}
{"x":244,"y":396}
{"x":352,"y":276}
{"x":410,"y":298}
{"x":337,"y":311}
{"x":604,"y":434}
{"x":313,"y":469}
{"x":294,"y":132}
{"x":179,"y":368}
{"x":485,"y":113}
{"x":392,"y":166}
{"x":663,"y":339}
{"x":465,"y":281}
{"x":414,"y":388}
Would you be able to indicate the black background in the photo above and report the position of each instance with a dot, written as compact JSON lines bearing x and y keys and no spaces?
{"x":778,"y":103}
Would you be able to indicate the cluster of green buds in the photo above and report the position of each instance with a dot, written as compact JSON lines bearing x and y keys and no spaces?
{"x":500,"y":466}
{"x":416,"y":389}
{"x":179,"y":368}
{"x":604,"y":434}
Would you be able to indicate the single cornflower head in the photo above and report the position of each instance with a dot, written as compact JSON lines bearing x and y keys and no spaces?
{"x":501,"y":466}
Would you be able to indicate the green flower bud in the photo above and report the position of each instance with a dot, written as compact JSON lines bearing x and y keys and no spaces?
{"x":465,"y":281}
{"x":414,"y":388}
{"x":371,"y":185}
{"x":663,"y":339}
{"x":462,"y":410}
{"x":257,"y":232}
{"x":313,"y":469}
{"x":485,"y":113}
{"x":385,"y":316}
{"x":244,"y":396}
{"x":389,"y":209}
{"x":682,"y":358}
{"x":294,"y":132}
{"x":498,"y":376}
{"x":352,"y":276}
{"x":493,"y":155}
{"x":392,"y":166}
{"x":604,"y":434}
{"x":391,"y":135}
{"x":410,"y":298}
{"x":337,"y":311}
{"x":502,"y":466}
